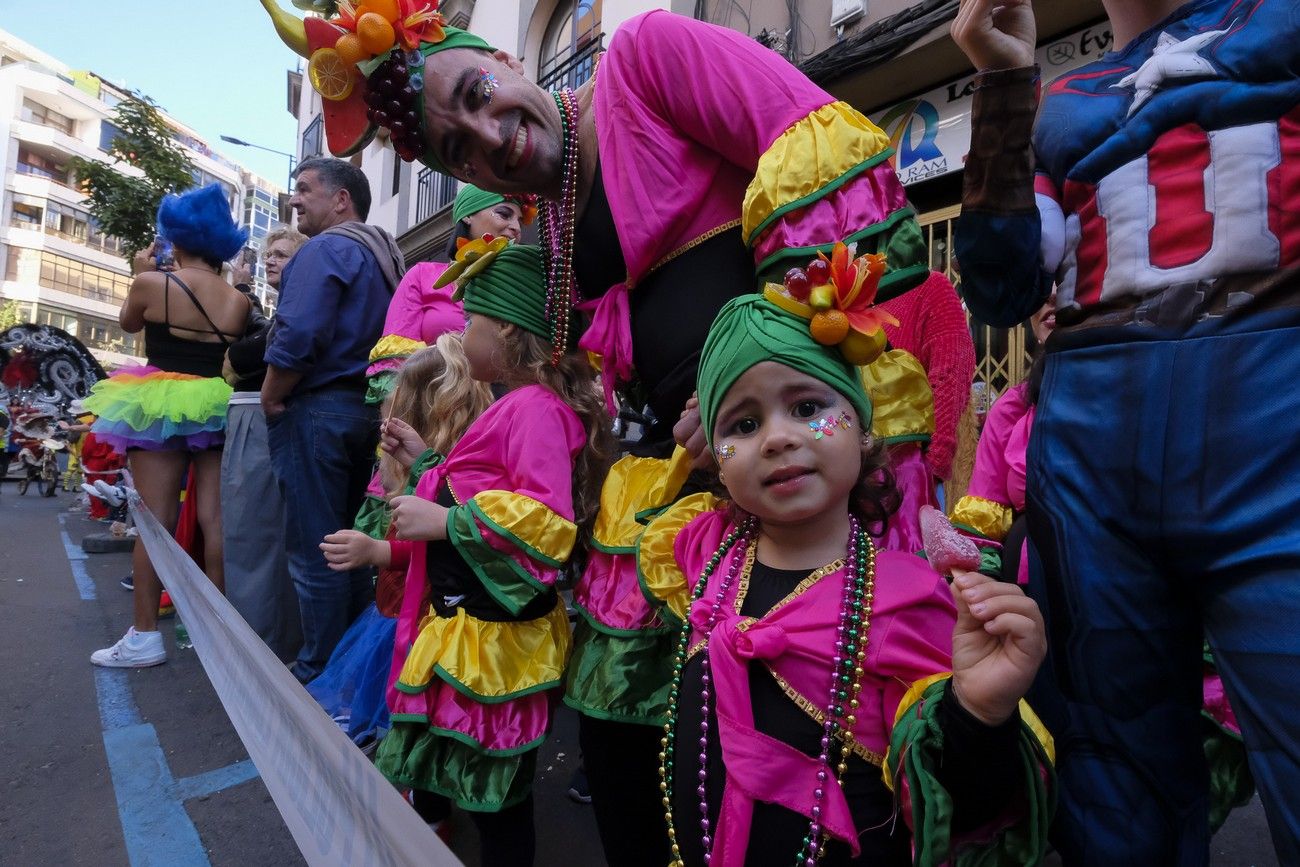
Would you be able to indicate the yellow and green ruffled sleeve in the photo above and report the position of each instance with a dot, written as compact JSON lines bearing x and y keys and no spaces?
{"x":513,"y":543}
{"x":661,"y":577}
{"x":912,"y":771}
{"x":828,"y":178}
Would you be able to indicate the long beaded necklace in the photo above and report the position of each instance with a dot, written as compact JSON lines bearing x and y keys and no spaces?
{"x":559,"y":219}
{"x":842,"y":700}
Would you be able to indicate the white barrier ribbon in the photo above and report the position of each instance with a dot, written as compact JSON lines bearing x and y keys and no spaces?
{"x":339,"y":809}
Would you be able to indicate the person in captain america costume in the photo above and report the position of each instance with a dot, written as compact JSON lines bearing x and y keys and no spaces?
{"x":1158,"y":191}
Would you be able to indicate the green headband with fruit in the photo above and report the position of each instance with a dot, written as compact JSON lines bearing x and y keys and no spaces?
{"x":366,"y":60}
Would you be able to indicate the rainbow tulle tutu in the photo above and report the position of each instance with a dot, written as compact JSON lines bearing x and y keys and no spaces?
{"x":148,"y":408}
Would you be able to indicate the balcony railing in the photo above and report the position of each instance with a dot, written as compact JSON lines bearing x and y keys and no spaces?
{"x":572,"y":68}
{"x":434,"y":191}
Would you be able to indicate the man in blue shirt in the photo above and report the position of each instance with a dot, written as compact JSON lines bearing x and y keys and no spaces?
{"x":333,"y":297}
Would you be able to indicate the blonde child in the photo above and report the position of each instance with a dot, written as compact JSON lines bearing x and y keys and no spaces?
{"x":436,"y":400}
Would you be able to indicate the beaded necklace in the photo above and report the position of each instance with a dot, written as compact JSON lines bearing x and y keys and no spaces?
{"x":842,"y":699}
{"x":559,"y":220}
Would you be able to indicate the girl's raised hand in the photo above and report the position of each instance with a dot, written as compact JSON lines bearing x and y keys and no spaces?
{"x":996,"y":34}
{"x":417,"y":519}
{"x":400,"y":442}
{"x":997,"y":645}
{"x":689,"y":434}
{"x":351,"y":549}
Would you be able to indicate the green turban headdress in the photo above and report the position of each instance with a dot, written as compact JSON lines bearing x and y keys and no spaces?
{"x":511,"y":286}
{"x":750,"y":330}
{"x":470,"y":200}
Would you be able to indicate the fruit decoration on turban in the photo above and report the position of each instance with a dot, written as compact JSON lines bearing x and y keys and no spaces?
{"x":837,"y":296}
{"x":366,"y":60}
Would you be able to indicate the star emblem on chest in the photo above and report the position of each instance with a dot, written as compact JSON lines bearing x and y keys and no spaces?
{"x":1172,"y":61}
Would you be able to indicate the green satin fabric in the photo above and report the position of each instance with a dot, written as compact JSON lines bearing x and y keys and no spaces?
{"x":915,"y":752}
{"x":512,"y":289}
{"x":1231,"y":783}
{"x":372,"y":517}
{"x":620,"y":678}
{"x":413,"y":755}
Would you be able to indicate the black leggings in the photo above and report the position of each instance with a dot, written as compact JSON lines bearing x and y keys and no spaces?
{"x":506,"y":838}
{"x":622,"y":763}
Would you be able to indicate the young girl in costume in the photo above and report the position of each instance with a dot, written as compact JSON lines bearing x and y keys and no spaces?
{"x":436,"y":400}
{"x":814,"y":673}
{"x":482,"y":637}
{"x":420,"y":311}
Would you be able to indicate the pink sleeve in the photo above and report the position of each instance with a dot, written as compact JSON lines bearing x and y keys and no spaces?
{"x":543,"y":440}
{"x":406,"y":310}
{"x":1016,"y":449}
{"x":911,"y":629}
{"x":739,"y":96}
{"x":989,"y":478}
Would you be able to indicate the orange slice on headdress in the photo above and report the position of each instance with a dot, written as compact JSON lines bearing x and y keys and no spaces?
{"x":330,"y":74}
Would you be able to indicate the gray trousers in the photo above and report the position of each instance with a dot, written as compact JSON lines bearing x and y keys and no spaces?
{"x":252,"y":517}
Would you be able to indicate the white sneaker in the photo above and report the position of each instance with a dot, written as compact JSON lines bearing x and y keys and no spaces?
{"x":133,"y":650}
{"x":110,"y":493}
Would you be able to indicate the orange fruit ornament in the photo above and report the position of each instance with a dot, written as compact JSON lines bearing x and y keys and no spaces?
{"x":388,"y":9}
{"x":859,"y":349}
{"x":376,"y":34}
{"x":350,"y":49}
{"x":829,"y":327}
{"x":332,"y":78}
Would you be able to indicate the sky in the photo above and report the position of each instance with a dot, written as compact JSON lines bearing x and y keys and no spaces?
{"x":216,"y":66}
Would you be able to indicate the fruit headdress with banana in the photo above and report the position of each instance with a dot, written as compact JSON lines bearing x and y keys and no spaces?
{"x":366,"y":60}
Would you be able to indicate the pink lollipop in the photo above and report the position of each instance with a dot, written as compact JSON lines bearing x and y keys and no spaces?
{"x":944,"y":546}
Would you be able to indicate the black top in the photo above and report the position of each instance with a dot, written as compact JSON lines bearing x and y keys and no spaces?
{"x":671,"y":308}
{"x":453,"y":584}
{"x":246,"y":352}
{"x":166,"y":351}
{"x":979,"y":767}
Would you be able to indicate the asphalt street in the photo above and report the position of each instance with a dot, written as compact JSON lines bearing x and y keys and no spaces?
{"x":194,"y":798}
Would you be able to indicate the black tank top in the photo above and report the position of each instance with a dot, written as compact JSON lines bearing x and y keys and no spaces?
{"x":166,"y":351}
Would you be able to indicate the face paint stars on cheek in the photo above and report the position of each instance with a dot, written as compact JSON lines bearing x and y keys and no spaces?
{"x":825,"y":427}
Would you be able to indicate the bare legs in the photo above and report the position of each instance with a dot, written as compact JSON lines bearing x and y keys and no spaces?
{"x":159,"y":478}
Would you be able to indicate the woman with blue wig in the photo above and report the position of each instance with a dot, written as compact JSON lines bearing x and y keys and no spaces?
{"x":169,"y":415}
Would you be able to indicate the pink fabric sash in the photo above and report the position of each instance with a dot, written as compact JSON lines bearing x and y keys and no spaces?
{"x":760,"y":767}
{"x":610,"y":336}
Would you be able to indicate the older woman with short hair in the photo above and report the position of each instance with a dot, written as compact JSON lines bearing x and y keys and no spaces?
{"x":257,"y":575}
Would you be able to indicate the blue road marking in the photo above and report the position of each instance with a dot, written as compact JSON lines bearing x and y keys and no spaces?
{"x":77,"y":563}
{"x":211,"y":782}
{"x":150,"y":801}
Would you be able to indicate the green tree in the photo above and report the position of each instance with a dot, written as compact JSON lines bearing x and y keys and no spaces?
{"x":126,"y":205}
{"x":8,"y":314}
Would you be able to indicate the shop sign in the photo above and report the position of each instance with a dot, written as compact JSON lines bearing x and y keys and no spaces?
{"x":930,"y":134}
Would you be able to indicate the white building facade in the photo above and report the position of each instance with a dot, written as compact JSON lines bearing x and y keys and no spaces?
{"x":58,"y":267}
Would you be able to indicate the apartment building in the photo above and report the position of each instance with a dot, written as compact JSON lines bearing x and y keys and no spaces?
{"x":58,"y":267}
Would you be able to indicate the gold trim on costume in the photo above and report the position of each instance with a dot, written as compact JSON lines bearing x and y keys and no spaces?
{"x":819,"y":716}
{"x":689,"y":245}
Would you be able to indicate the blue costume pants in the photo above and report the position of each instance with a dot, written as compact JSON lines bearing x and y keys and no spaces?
{"x":1164,"y":499}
